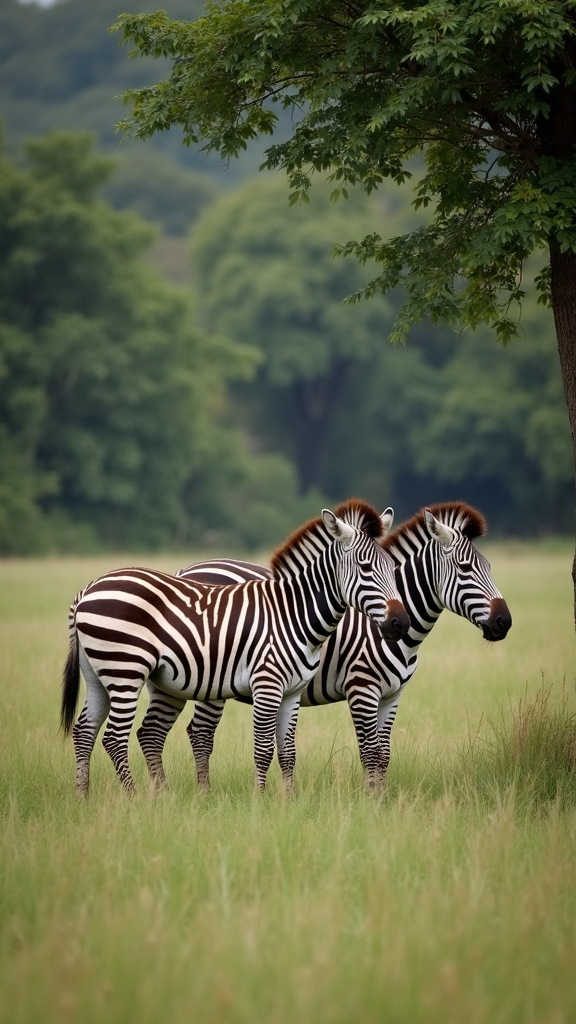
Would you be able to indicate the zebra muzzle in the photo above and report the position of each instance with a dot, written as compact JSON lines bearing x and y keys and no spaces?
{"x":499,"y":620}
{"x":397,"y":621}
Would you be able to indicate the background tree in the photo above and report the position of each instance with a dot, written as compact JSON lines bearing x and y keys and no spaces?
{"x":485,"y":91}
{"x":160,"y":190}
{"x":445,"y":416}
{"x":448,"y":417}
{"x":266,"y":279}
{"x":109,"y":394}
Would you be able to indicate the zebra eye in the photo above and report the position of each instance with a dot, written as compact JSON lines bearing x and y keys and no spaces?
{"x":466,"y":567}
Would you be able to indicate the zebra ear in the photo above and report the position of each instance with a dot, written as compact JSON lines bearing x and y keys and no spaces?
{"x":337,"y":528}
{"x":387,"y":518}
{"x":444,"y":534}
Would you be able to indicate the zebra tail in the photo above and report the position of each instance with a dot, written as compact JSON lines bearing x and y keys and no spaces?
{"x":70,"y":685}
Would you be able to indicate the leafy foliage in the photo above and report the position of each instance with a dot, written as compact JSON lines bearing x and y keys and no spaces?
{"x":362,"y":90}
{"x":266,"y":279}
{"x":110,"y":396}
{"x":469,"y":84}
{"x":444,"y":416}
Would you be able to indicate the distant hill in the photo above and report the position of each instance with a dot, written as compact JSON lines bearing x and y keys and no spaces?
{"x":61,"y":68}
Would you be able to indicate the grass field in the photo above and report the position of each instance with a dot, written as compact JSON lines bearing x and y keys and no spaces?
{"x":451,"y":898}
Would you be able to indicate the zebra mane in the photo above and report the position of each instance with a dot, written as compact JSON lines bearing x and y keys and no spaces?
{"x":307,"y":543}
{"x":457,"y":514}
{"x":358,"y":513}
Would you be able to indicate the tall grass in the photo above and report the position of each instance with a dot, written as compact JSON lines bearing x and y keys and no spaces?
{"x":529,"y":749}
{"x":450,"y":897}
{"x":526,"y":751}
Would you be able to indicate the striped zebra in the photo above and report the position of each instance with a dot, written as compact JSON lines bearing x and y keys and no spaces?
{"x":437,"y":567}
{"x":258,"y":640}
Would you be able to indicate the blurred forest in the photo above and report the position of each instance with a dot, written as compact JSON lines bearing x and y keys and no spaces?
{"x":176,"y":364}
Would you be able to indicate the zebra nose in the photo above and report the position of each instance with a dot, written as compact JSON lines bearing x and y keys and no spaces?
{"x":498,"y":622}
{"x":397,"y":621}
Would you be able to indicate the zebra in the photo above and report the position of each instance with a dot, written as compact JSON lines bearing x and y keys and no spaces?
{"x":437,"y":567}
{"x":258,"y":640}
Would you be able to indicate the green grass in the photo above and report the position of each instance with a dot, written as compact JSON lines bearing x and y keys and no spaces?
{"x":451,"y":898}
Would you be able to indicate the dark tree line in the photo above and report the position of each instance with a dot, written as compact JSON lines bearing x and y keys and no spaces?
{"x":113,"y":413}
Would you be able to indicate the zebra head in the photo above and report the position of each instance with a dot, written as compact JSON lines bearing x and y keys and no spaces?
{"x":365,"y":572}
{"x":464,"y":581}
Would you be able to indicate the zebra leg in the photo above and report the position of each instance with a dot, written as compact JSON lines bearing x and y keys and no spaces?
{"x":267,"y":701}
{"x":386,"y":715}
{"x":89,"y":722}
{"x":123,"y":701}
{"x":285,"y":738}
{"x":201,"y":730}
{"x":161,"y":714}
{"x":363,"y":700}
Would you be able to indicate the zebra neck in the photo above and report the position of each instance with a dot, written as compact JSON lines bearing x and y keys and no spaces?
{"x":312,"y":601}
{"x":417,"y":584}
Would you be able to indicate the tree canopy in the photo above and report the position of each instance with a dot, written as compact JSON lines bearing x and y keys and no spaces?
{"x":471,"y":84}
{"x":109,"y":420}
{"x":447,"y":415}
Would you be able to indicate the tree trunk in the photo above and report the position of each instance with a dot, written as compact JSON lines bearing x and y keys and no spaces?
{"x":563,"y":270}
{"x":557,"y":138}
{"x":314,"y":403}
